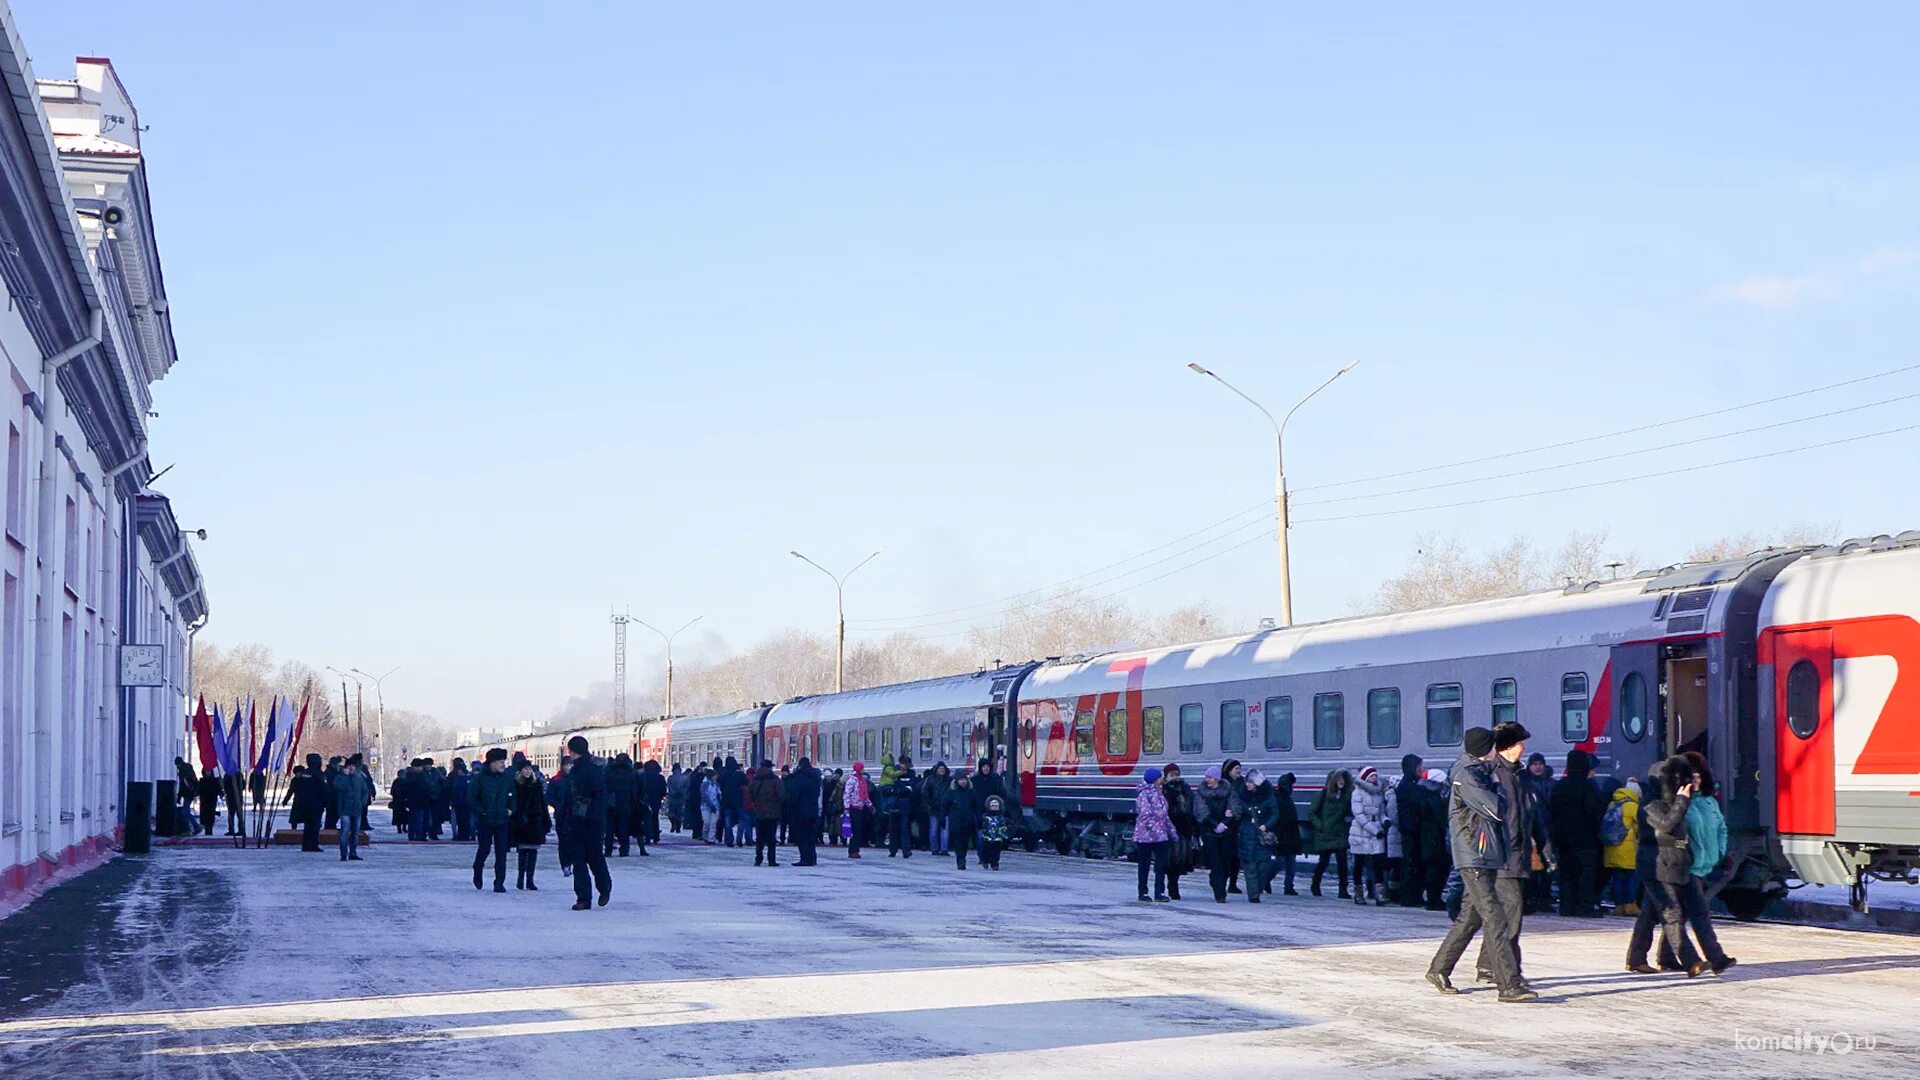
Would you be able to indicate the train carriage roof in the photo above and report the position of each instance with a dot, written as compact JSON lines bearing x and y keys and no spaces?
{"x":972,"y":690}
{"x":1594,"y":613}
{"x":722,"y":726}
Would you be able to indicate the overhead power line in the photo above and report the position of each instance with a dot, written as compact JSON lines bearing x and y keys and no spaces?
{"x":1615,"y":457}
{"x":1610,"y":483}
{"x":1611,"y":434}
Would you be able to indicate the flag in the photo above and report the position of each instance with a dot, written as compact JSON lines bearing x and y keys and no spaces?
{"x":253,"y":731}
{"x":203,"y":735}
{"x":266,"y":740}
{"x":230,"y":746}
{"x":299,"y":728}
{"x":282,"y":740}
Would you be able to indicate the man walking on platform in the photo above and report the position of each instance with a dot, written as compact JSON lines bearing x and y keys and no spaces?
{"x":586,"y":814}
{"x":765,"y":796}
{"x":1477,"y":823}
{"x":352,"y":794}
{"x":803,"y":794}
{"x":491,"y":797}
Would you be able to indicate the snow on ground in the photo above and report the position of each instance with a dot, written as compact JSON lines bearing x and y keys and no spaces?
{"x":204,"y":962}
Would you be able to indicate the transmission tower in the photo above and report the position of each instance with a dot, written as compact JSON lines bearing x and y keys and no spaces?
{"x":620,"y":667}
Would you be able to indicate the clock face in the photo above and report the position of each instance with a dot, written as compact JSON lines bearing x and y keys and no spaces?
{"x":142,"y":665}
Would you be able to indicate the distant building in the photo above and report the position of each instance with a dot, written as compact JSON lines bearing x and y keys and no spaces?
{"x":476,"y":737}
{"x":100,"y":593}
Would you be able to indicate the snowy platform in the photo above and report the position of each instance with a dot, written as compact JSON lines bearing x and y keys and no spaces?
{"x":224,"y":962}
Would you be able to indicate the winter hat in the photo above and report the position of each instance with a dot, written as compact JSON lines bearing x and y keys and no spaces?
{"x":1410,"y":765}
{"x":1153,"y":775}
{"x":1478,"y":742}
{"x":1535,"y":758}
{"x":1579,"y":762}
{"x":859,"y":766}
{"x":1369,"y":774}
{"x":1254,"y":777}
{"x":1213,"y":772}
{"x":497,"y":754}
{"x":1438,"y":776}
{"x":1633,"y":785}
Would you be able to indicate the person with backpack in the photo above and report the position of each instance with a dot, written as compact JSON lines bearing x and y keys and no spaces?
{"x":1575,"y":811}
{"x":1620,"y":839}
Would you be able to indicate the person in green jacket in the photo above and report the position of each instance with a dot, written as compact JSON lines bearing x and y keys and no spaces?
{"x":1329,"y":818}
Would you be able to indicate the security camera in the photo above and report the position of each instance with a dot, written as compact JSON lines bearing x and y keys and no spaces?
{"x":201,"y":533}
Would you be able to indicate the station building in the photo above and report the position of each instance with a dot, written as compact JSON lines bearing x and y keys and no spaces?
{"x":100,"y":593}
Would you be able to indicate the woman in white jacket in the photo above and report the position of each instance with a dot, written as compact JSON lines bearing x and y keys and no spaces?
{"x":1373,"y":815}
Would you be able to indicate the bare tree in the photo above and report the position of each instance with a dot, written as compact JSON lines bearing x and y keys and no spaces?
{"x":1733,"y":547}
{"x":1442,"y":571}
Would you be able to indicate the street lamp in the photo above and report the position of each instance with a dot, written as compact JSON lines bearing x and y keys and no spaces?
{"x":1280,"y":474}
{"x":668,"y":638}
{"x":840,"y":604}
{"x":380,"y":717}
{"x":360,"y":723}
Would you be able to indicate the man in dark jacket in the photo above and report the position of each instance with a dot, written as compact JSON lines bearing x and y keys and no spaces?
{"x":209,"y":789}
{"x":490,"y":802}
{"x":460,"y":794}
{"x":1406,"y":796}
{"x":622,"y":786}
{"x":733,"y":791}
{"x":1477,"y":817}
{"x":309,"y":803}
{"x":586,"y":811}
{"x":903,"y":790}
{"x":1574,"y":811}
{"x":765,"y":795}
{"x":1526,"y":830}
{"x":803,"y":795}
{"x":332,"y":805}
{"x":653,"y":792}
{"x":1647,"y":923}
{"x":677,"y":797}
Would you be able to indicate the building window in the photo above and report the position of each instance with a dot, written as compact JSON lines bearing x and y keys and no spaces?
{"x":1383,"y":718}
{"x":1446,"y":714}
{"x":1803,"y":699}
{"x":1233,"y":727}
{"x":1153,"y":739}
{"x":1633,"y":706}
{"x":1329,"y":721}
{"x":16,"y":487}
{"x":1279,"y":717}
{"x":1083,"y":736}
{"x":1506,"y":701}
{"x":1116,"y":733}
{"x":1193,"y":726}
{"x":1573,"y":707}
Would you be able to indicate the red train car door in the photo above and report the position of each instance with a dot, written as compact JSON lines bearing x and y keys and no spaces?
{"x":1803,"y":731}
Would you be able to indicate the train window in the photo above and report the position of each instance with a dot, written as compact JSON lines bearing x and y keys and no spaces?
{"x":1083,"y":736}
{"x":869,"y":744}
{"x":1233,"y":727}
{"x":1153,"y":736}
{"x":906,"y":742}
{"x":1633,"y":706}
{"x":1329,"y":721}
{"x":1445,"y":715}
{"x":1573,"y":707}
{"x":1506,"y":701}
{"x":886,"y":740}
{"x":1383,"y":718}
{"x":1026,"y":740}
{"x":1803,"y":698}
{"x":839,"y":743}
{"x":926,"y":741}
{"x":1116,"y":733}
{"x":1192,"y":729}
{"x":794,"y":748}
{"x":1279,"y":716}
{"x":946,"y":741}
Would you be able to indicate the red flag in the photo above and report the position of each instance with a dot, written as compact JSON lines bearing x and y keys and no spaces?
{"x":203,"y":735}
{"x":300,"y":725}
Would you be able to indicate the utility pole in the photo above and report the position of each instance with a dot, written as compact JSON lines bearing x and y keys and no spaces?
{"x":840,"y":605}
{"x":620,"y":667}
{"x":360,"y":727}
{"x":380,"y":721}
{"x":1280,"y":476}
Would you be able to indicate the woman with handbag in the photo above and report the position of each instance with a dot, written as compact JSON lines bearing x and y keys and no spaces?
{"x":1259,"y":812}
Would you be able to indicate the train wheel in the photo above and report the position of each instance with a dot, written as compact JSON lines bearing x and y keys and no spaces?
{"x":1744,"y":904}
{"x":1030,"y":842}
{"x":1062,"y":841}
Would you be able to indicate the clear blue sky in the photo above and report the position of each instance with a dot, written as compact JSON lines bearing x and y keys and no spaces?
{"x":493,"y":315}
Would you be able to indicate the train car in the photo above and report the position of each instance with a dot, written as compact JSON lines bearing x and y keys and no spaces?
{"x":1838,"y":679}
{"x":687,"y":740}
{"x":957,"y":719}
{"x":1627,"y":670}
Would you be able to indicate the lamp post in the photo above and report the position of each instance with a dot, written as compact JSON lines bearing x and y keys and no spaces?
{"x":840,"y":606}
{"x":380,"y":716}
{"x":360,"y":722}
{"x":668,"y":638}
{"x":1280,"y":474}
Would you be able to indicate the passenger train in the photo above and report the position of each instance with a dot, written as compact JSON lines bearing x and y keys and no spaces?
{"x":1796,"y":671}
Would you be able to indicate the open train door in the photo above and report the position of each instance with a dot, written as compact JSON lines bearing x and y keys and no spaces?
{"x":1637,"y":732}
{"x":1803,"y":732}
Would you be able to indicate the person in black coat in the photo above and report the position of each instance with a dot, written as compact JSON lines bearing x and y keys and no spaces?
{"x":1574,"y":810}
{"x":622,"y":787}
{"x":1673,"y":857}
{"x":309,"y":802}
{"x":735,"y":823}
{"x":802,"y":791}
{"x":209,"y":790}
{"x":653,"y":792}
{"x":586,"y":814}
{"x":1406,"y":797}
{"x":1286,"y":834}
{"x":963,"y":817}
{"x":527,"y":824}
{"x":904,"y":789}
{"x":328,"y":777}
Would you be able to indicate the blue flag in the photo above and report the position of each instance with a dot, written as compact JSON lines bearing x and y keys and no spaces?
{"x":266,"y":740}
{"x":230,"y":745}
